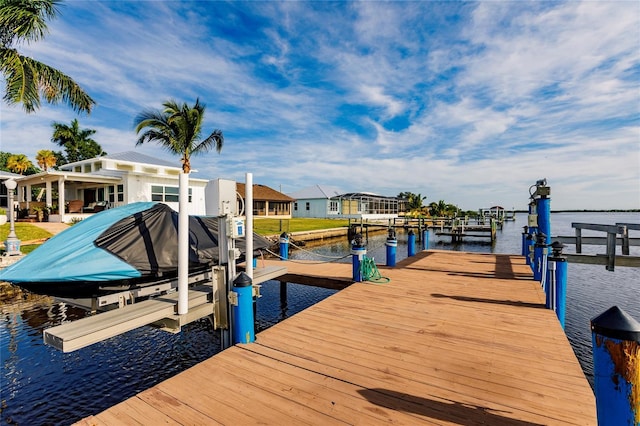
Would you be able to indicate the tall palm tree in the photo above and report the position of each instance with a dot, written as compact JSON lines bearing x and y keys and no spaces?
{"x":19,"y":163}
{"x":178,"y":128}
{"x":77,"y":142}
{"x":26,"y":78}
{"x":46,"y":159}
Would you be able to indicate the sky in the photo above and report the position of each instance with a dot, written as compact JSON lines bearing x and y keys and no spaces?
{"x":467,"y":102}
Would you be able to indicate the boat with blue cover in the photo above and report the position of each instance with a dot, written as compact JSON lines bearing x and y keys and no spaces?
{"x":118,"y":249}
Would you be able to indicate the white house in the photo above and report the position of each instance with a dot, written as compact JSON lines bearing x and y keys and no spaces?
{"x":89,"y":185}
{"x":315,"y":201}
{"x":325,"y":202}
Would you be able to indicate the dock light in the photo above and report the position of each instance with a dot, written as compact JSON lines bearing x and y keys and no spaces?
{"x":12,"y":243}
{"x":541,"y":182}
{"x":556,"y":248}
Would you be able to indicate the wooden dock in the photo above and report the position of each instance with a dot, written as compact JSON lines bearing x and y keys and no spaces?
{"x":454,"y":338}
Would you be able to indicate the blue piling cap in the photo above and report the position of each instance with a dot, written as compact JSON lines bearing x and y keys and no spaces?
{"x":616,"y":324}
{"x":242,"y":280}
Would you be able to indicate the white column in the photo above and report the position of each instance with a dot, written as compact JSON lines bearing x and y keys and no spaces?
{"x":48,"y":194}
{"x":61,"y":199}
{"x":249,"y":225}
{"x":183,"y":245}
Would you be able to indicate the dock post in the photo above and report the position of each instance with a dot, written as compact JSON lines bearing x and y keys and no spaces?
{"x":284,"y":246}
{"x":530,"y":244}
{"x":525,"y":231}
{"x":543,"y":209}
{"x":615,"y":337}
{"x":540,"y":257}
{"x":243,"y":319}
{"x":358,"y":251}
{"x":556,"y":282}
{"x":425,"y":239}
{"x":411,"y":244}
{"x":392,"y":247}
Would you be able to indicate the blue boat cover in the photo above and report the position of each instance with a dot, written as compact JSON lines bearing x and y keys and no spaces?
{"x":72,"y":256}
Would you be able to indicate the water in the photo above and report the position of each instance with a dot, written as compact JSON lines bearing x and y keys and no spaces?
{"x":40,"y":385}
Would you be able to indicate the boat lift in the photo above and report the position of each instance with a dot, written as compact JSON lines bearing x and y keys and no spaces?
{"x":209,"y":292}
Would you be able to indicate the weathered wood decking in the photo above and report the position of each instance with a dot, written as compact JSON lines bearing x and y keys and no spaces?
{"x":454,"y":338}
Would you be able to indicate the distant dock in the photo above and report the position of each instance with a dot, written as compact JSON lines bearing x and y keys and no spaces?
{"x":453,"y":338}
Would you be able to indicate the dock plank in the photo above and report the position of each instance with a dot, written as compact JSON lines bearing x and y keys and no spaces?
{"x":453,"y":338}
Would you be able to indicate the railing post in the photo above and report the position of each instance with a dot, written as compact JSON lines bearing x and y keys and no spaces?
{"x":284,"y":246}
{"x":624,"y":231}
{"x":611,"y":251}
{"x":615,"y":337}
{"x":243,"y":319}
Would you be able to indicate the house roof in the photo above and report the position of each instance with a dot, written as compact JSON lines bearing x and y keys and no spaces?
{"x":8,"y":175}
{"x":263,"y":193}
{"x":316,"y":192}
{"x":134,"y":157}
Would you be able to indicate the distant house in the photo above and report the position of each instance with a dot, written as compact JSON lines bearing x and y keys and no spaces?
{"x":315,"y":201}
{"x":267,"y":202}
{"x":108,"y":181}
{"x":325,"y":202}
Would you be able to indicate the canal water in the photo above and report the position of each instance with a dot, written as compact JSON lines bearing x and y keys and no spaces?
{"x":42,"y":386}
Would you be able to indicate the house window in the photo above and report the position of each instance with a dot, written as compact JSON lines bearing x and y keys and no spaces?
{"x":167,"y":194}
{"x":308,"y":206}
{"x":116,"y":193}
{"x":333,"y":206}
{"x":295,"y":206}
{"x":87,"y":168}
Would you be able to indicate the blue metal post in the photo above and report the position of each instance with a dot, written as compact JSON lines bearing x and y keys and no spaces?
{"x":392,"y":247}
{"x":529,"y":255}
{"x":561,"y":288}
{"x":358,"y":251}
{"x":543,"y":207}
{"x":539,"y":257}
{"x":615,"y":337}
{"x":556,"y":288}
{"x":425,"y":239}
{"x":284,"y":246}
{"x":411,"y":244}
{"x":243,"y":319}
{"x":525,"y":249}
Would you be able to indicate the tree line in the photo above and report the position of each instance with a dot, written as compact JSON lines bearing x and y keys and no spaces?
{"x":440,"y":208}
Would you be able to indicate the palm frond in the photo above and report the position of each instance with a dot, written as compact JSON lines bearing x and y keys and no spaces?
{"x":25,"y":19}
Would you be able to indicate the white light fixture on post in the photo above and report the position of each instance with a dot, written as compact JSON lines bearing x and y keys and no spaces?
{"x":12,"y":243}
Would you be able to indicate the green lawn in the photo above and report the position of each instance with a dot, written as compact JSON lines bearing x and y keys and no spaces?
{"x":277,"y":226}
{"x":24,"y":232}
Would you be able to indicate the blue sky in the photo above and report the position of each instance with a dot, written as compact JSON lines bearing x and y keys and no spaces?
{"x":466,"y":102}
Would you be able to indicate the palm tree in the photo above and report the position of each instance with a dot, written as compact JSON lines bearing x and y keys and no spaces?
{"x":439,"y":209}
{"x":19,"y":163}
{"x":178,"y":129}
{"x":76,"y":142}
{"x":46,"y":159}
{"x":26,"y":78}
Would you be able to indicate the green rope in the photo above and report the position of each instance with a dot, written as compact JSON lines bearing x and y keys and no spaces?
{"x":370,"y":271}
